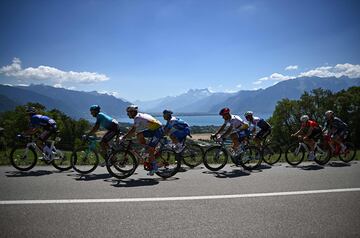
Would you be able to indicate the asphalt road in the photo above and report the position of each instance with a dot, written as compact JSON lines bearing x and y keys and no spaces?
{"x":177,"y":210}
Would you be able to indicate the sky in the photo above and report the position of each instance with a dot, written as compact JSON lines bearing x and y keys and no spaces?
{"x":147,"y":49}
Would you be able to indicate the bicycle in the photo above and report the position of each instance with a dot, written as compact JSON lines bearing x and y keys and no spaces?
{"x":295,"y":153}
{"x":24,"y":159}
{"x":347,"y":155}
{"x":271,"y":152}
{"x":3,"y":147}
{"x":192,"y":155}
{"x":216,"y":156}
{"x":126,"y":159}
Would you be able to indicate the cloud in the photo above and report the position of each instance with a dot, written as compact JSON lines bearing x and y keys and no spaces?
{"x":339,"y":70}
{"x":292,"y":67}
{"x":239,"y":85}
{"x":50,"y":74}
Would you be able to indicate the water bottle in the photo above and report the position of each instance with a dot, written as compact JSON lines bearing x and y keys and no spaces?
{"x":47,"y":151}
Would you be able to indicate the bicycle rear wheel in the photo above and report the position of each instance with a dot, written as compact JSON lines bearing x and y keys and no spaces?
{"x":121,"y":164}
{"x":168,"y":163}
{"x":23,"y":159}
{"x":271,"y":153}
{"x":84,"y":161}
{"x":322,"y":154}
{"x":349,"y":153}
{"x":62,"y":160}
{"x":215,"y":158}
{"x":295,"y":154}
{"x":249,"y":159}
{"x":193,"y":155}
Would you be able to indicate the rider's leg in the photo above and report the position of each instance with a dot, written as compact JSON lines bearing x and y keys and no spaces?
{"x":235,"y":141}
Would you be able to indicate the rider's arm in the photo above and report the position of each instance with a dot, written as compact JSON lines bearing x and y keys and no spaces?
{"x":227,"y":132}
{"x":220,"y":129}
{"x":31,"y":131}
{"x":94,"y":129}
{"x":309,"y":132}
{"x":298,"y":132}
{"x":130,"y":132}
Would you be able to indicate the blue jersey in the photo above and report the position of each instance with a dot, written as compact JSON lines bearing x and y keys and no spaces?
{"x":176,"y":123}
{"x":105,"y":121}
{"x":41,"y":121}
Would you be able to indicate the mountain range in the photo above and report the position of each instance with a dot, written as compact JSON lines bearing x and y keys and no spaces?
{"x":195,"y":101}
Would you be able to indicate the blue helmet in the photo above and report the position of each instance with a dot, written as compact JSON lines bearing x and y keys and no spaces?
{"x":167,"y":112}
{"x":95,"y":107}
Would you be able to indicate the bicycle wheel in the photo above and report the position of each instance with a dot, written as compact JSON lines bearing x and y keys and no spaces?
{"x":215,"y":158}
{"x":250,"y":158}
{"x":84,"y":161}
{"x":121,"y":164}
{"x":193,"y":155}
{"x":349,"y":153}
{"x":295,"y":154}
{"x":62,"y":160}
{"x":322,"y":154}
{"x":271,"y":153}
{"x":23,"y":159}
{"x":168,"y":163}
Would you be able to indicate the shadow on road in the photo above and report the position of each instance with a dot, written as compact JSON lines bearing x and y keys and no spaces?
{"x":28,"y":173}
{"x":225,"y":174}
{"x":261,"y":168}
{"x":311,"y":167}
{"x":91,"y":177}
{"x":134,"y":182}
{"x":339,"y":164}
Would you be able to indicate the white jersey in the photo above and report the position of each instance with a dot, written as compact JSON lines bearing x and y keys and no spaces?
{"x":143,"y":121}
{"x":235,"y":121}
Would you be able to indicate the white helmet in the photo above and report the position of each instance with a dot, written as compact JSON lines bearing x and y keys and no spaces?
{"x":132,"y":108}
{"x":329,"y":113}
{"x":304,"y":118}
{"x":248,"y":113}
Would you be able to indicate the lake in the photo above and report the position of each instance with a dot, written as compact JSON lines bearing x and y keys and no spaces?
{"x":205,"y":120}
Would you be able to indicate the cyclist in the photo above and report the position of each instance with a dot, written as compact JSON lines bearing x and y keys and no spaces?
{"x":38,"y":121}
{"x":265,"y":128}
{"x":177,"y":129}
{"x":337,"y":129}
{"x":145,"y":126}
{"x":237,"y":129}
{"x":311,"y":130}
{"x":106,"y":122}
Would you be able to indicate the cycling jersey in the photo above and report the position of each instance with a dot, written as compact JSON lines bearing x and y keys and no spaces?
{"x":144,"y":121}
{"x":261,"y":123}
{"x":309,"y":124}
{"x":105,"y":121}
{"x":42,"y":121}
{"x":176,"y":123}
{"x":336,"y":124}
{"x":235,"y":122}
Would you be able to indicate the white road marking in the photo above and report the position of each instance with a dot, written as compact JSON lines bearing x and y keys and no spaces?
{"x":187,"y":198}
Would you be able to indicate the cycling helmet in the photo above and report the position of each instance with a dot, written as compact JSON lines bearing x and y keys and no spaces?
{"x":304,"y":118}
{"x":31,"y":110}
{"x":132,"y":108}
{"x":224,"y":111}
{"x":248,"y":113}
{"x":329,"y":113}
{"x":167,"y":112}
{"x":95,"y":107}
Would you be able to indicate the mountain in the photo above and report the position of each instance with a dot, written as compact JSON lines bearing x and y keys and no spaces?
{"x":264,"y":100}
{"x":193,"y":101}
{"x":74,"y":103}
{"x":261,"y":101}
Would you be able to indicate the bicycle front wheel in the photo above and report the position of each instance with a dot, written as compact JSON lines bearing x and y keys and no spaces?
{"x":121,"y":164}
{"x":62,"y":160}
{"x":84,"y":161}
{"x":250,"y":159}
{"x":193,"y":155}
{"x":23,"y":159}
{"x":271,"y":153}
{"x":295,"y":154}
{"x":349,"y":153}
{"x":168,"y":163}
{"x":215,"y":158}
